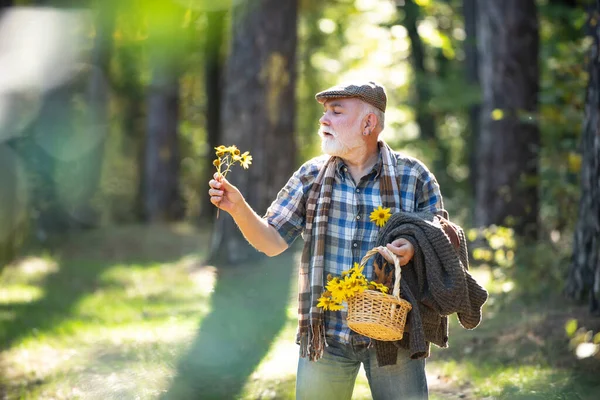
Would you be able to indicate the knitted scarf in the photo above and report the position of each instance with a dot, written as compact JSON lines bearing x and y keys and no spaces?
{"x":311,"y":331}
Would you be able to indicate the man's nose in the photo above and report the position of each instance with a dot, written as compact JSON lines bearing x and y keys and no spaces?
{"x":323,"y":120}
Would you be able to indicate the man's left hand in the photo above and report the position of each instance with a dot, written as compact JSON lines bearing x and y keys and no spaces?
{"x":402,"y":248}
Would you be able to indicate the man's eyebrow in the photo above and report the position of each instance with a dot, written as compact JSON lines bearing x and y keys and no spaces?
{"x":333,"y":104}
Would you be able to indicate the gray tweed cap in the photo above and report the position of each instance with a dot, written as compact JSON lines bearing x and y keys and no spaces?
{"x":369,"y":92}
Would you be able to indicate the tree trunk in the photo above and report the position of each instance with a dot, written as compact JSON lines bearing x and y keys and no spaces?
{"x":6,"y":209}
{"x":507,"y":182}
{"x":52,"y":129}
{"x":162,"y":198}
{"x":425,"y":119}
{"x":13,"y":208}
{"x":133,"y":120}
{"x":584,"y":272}
{"x":258,"y":112}
{"x":472,"y":72}
{"x":213,"y":86}
{"x":98,"y":92}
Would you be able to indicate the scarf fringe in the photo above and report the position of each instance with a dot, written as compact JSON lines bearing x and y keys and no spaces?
{"x":312,"y":343}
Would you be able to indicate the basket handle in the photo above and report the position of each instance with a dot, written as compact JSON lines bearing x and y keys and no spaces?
{"x":375,"y":250}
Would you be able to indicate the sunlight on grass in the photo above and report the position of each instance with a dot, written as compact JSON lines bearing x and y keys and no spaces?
{"x":497,"y":380}
{"x":20,"y":294}
{"x":28,"y":270}
{"x":93,"y":330}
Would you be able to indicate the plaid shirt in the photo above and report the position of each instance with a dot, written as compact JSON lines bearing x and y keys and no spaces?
{"x":350,"y":233}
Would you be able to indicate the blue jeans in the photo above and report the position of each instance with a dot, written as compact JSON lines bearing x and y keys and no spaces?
{"x":332,"y":377}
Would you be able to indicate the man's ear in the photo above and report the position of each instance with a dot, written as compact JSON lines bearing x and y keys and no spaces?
{"x":369,"y":123}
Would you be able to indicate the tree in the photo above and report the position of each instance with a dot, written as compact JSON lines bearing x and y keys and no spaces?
{"x":424,"y":80}
{"x":507,"y":181}
{"x":258,"y":111}
{"x":472,"y":74}
{"x":162,"y":199}
{"x":98,"y":93}
{"x":213,"y":66}
{"x":7,"y":246}
{"x":584,"y":272}
{"x":126,"y":82}
{"x":424,"y":117}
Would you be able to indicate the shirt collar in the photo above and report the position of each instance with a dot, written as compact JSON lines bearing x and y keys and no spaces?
{"x":342,"y":169}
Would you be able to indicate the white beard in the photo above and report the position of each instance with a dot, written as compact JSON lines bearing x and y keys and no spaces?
{"x":333,"y":146}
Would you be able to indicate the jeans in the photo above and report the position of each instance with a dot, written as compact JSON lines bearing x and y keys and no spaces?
{"x":332,"y":377}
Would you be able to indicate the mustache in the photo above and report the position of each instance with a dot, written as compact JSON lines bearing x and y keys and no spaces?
{"x":324,"y":130}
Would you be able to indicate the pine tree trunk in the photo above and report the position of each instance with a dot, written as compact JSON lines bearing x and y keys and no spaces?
{"x":98,"y":92}
{"x":507,"y":182}
{"x":472,"y":72}
{"x":258,"y":112}
{"x":584,"y":272}
{"x":213,"y":87}
{"x":162,"y":198}
{"x":13,"y":208}
{"x":425,"y":119}
{"x":7,"y":247}
{"x":133,"y":105}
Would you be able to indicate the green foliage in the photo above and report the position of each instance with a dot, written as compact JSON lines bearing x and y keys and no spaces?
{"x":562,"y":99}
{"x":571,"y":327}
{"x":526,"y":270}
{"x":583,"y":342}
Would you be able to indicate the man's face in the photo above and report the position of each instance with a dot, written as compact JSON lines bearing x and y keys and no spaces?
{"x":340,"y":128}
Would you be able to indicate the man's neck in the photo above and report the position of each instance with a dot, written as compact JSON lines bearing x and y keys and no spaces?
{"x":361,"y":164}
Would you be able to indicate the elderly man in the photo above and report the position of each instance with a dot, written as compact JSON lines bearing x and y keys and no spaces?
{"x":329,"y":200}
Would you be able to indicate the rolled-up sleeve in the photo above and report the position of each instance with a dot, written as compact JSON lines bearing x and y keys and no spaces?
{"x":287,"y":213}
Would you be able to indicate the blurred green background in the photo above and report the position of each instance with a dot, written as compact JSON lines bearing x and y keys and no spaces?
{"x":118,"y":281}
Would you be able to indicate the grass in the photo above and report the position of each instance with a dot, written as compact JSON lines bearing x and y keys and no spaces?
{"x":132,"y":313}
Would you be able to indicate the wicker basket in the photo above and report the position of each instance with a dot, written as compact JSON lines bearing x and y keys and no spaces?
{"x":378,"y":315}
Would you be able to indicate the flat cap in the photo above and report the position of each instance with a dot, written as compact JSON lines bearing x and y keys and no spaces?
{"x":369,"y":92}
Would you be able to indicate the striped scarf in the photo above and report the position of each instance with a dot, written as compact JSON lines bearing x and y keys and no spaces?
{"x":311,"y":331}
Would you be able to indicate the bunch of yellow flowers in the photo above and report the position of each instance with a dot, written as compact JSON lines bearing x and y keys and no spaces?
{"x":340,"y":289}
{"x":227,"y":156}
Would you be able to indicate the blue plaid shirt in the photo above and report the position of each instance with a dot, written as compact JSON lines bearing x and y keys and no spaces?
{"x":350,"y":233}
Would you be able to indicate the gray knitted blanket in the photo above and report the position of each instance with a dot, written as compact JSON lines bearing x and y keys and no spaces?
{"x":436,"y":282}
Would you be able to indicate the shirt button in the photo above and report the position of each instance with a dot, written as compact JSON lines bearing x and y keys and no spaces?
{"x":355,"y":245}
{"x":345,"y":169}
{"x":358,"y":217}
{"x":357,"y":190}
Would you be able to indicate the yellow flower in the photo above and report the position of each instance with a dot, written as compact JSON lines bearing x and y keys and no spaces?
{"x":233,"y":150}
{"x":327,"y":303}
{"x":220,"y":151}
{"x":378,"y":286}
{"x":380,"y":216}
{"x":382,"y":288}
{"x":356,"y":269}
{"x":337,"y":289}
{"x":217,"y":162}
{"x":246,"y":160}
{"x":354,"y":286}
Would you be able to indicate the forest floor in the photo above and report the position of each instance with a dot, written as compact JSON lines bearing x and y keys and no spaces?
{"x":132,"y":313}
